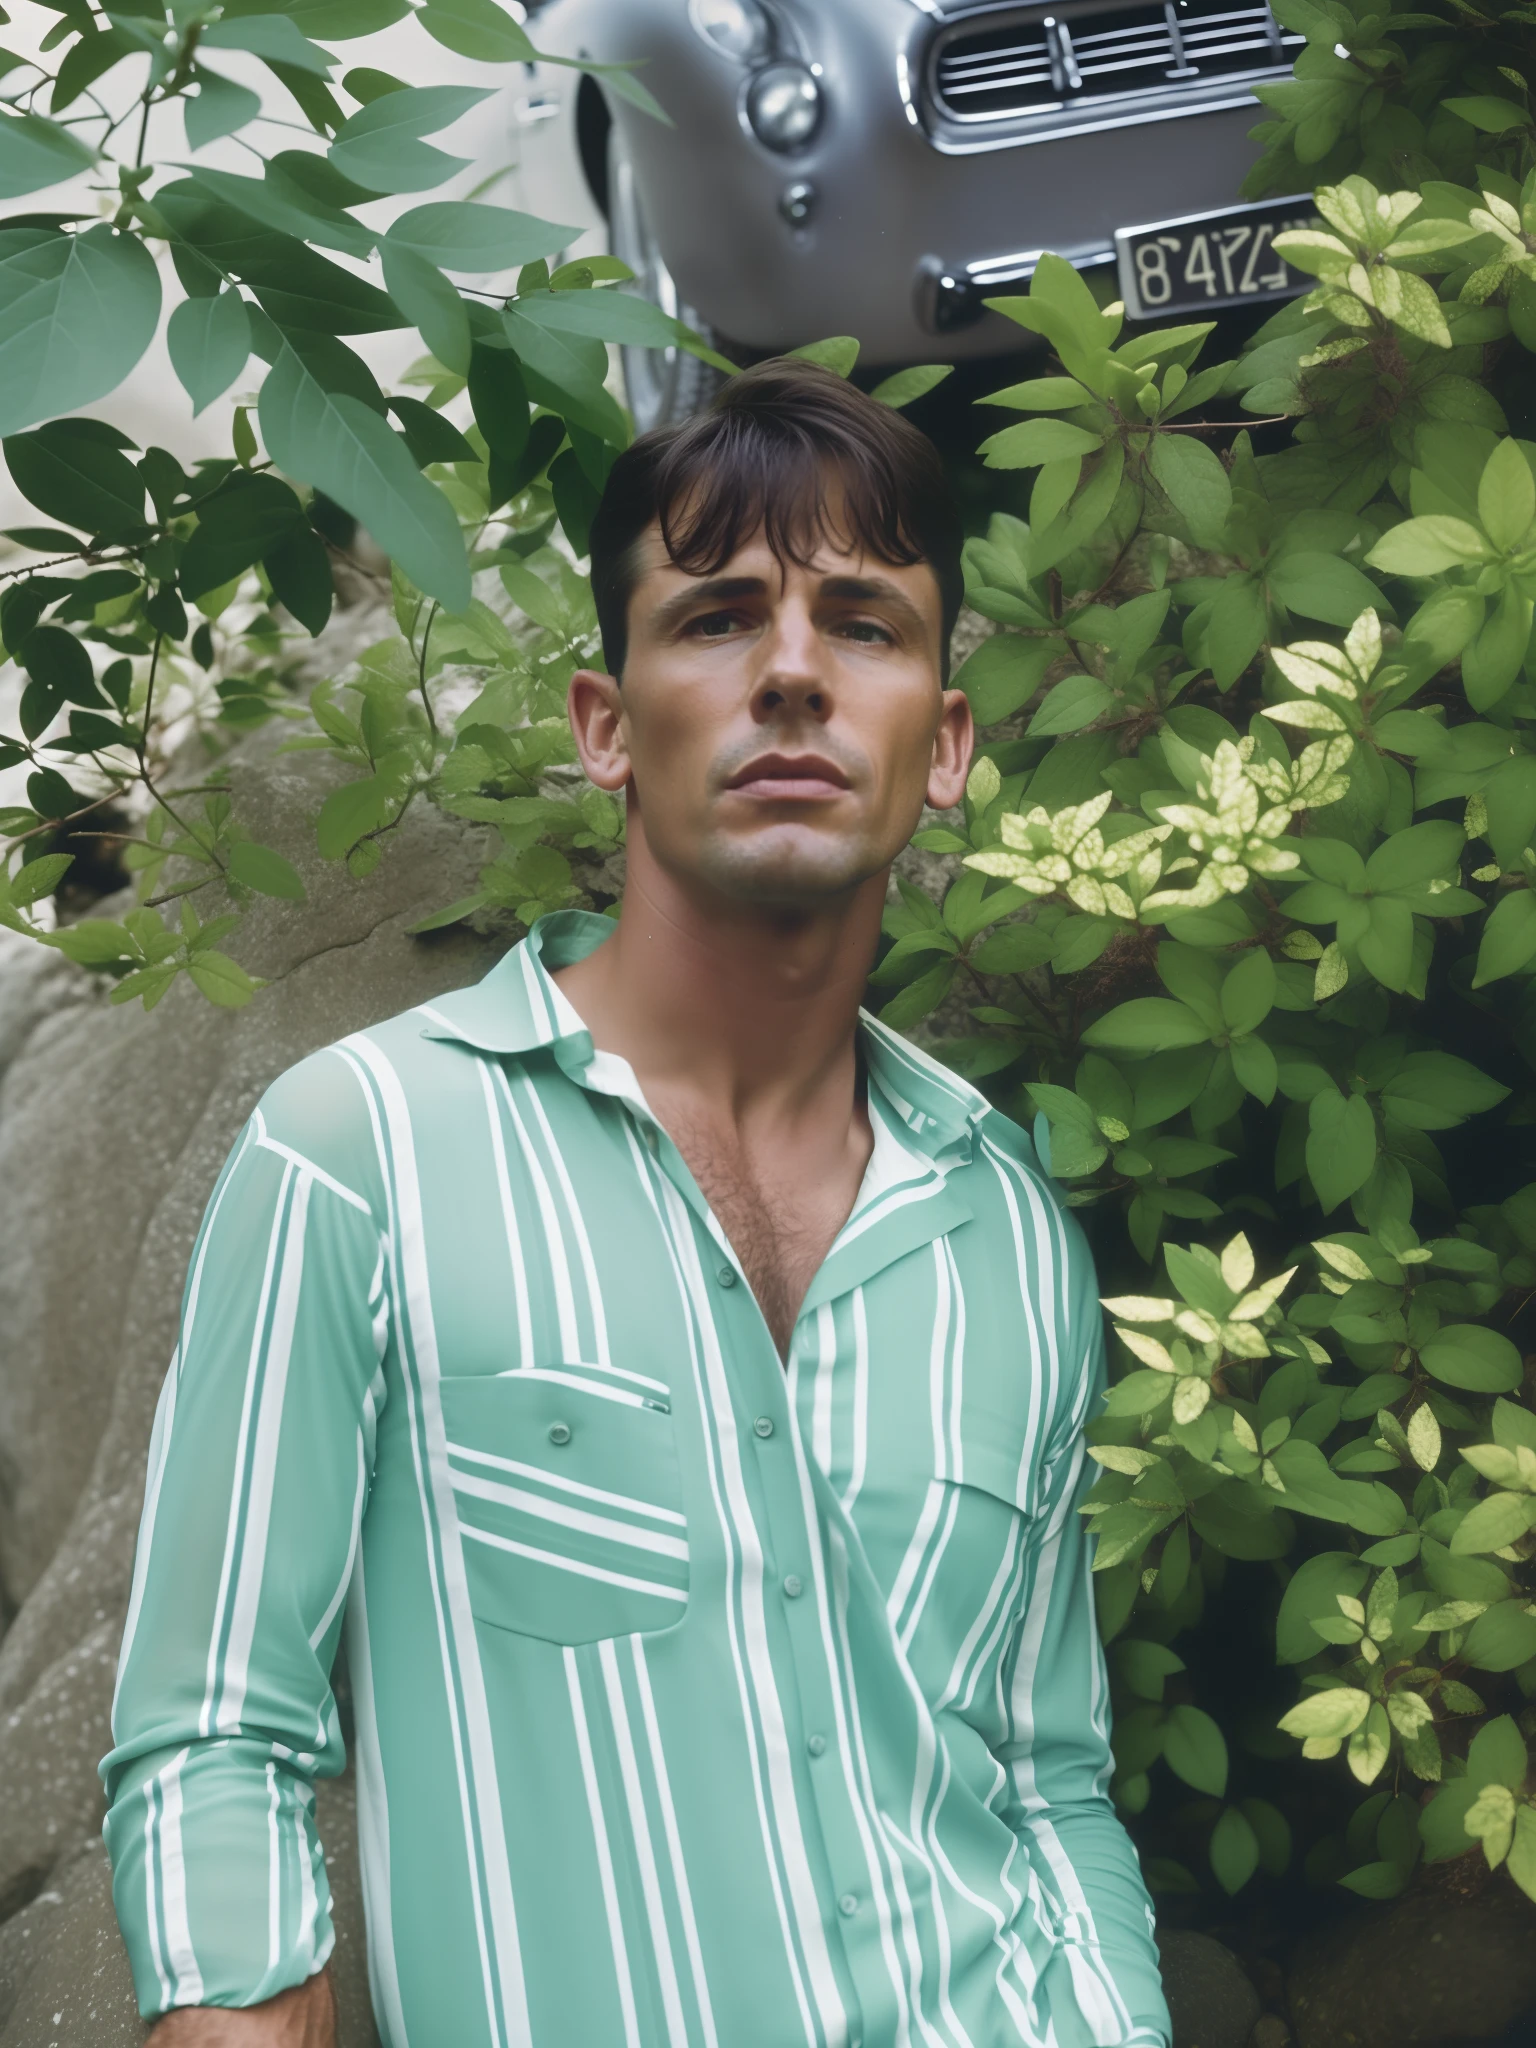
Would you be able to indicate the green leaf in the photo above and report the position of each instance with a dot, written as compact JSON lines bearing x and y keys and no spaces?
{"x":220,"y":108}
{"x":1434,"y":1091}
{"x":381,"y":146}
{"x":1470,"y":1355}
{"x":259,"y":868}
{"x":1033,"y":442}
{"x":246,"y":517}
{"x":429,"y":435}
{"x":1248,"y":993}
{"x":1492,"y":115}
{"x":280,"y":202}
{"x":1197,"y":486}
{"x":348,"y":813}
{"x":1493,"y":1524}
{"x":838,"y":352}
{"x":344,"y":449}
{"x":1497,"y":1755}
{"x":221,"y":980}
{"x":1234,"y":1851}
{"x":456,"y":234}
{"x":89,"y":59}
{"x":1322,"y":586}
{"x":1195,"y":1750}
{"x":272,"y":37}
{"x":1506,"y":495}
{"x":1428,"y":546}
{"x":1003,"y":673}
{"x":559,"y":373}
{"x":299,"y":570}
{"x":1501,"y":1639}
{"x":1341,"y":1145}
{"x":1148,"y":1024}
{"x":1070,"y":705}
{"x":907,"y":386}
{"x":210,"y":343}
{"x":1327,"y":1716}
{"x":76,"y":314}
{"x":478,"y":29}
{"x":430,"y":303}
{"x":35,"y":153}
{"x":74,"y":470}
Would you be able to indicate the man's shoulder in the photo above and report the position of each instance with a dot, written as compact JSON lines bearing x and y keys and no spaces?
{"x":333,"y":1105}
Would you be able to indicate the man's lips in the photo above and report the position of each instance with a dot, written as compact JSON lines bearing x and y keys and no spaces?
{"x":789,"y":777}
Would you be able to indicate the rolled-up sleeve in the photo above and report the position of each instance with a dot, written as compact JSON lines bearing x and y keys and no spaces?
{"x":1106,"y":1989}
{"x":258,"y":1477}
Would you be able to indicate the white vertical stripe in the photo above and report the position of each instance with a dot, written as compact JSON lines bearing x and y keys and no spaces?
{"x":187,"y":1978}
{"x":373,"y":1821}
{"x":616,"y":1941}
{"x":821,"y":1393}
{"x":860,"y":1401}
{"x":554,"y":1243}
{"x":242,"y":1438}
{"x":578,"y":1227}
{"x":674,"y":1841}
{"x":410,"y":1238}
{"x":645,"y":1853}
{"x":269,"y":1425}
{"x":333,"y":1607}
{"x":152,"y":1921}
{"x":511,"y":1228}
{"x":274,"y":1878}
{"x":159,"y":1451}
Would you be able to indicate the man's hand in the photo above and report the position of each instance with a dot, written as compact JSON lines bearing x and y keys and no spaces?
{"x":304,"y":2017}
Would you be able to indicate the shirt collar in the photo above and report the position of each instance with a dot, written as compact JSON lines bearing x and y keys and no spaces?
{"x":519,"y":1008}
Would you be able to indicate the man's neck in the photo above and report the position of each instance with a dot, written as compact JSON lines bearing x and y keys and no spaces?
{"x":751,"y":1011}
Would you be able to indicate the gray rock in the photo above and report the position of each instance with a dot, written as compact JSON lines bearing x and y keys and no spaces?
{"x":63,"y":1974}
{"x":1271,"y":2032}
{"x":113,"y":1126}
{"x":1432,"y":1970}
{"x":1210,"y":2000}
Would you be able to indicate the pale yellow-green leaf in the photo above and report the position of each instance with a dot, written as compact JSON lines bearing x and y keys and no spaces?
{"x":1237,"y":1263}
{"x":1424,"y":1438}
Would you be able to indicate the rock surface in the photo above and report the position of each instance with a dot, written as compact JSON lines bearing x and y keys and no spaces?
{"x":1210,"y":2000}
{"x":1429,"y":1971}
{"x":113,"y":1126}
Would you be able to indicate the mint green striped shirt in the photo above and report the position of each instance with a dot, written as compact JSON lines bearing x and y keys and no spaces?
{"x":701,"y":1700}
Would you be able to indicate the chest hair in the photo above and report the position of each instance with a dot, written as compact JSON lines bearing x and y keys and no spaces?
{"x":780,"y":1235}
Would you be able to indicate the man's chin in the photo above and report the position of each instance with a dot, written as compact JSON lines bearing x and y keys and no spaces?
{"x":789,"y":869}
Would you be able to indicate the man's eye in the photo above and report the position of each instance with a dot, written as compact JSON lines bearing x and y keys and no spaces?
{"x":713,"y":625}
{"x":868,"y":632}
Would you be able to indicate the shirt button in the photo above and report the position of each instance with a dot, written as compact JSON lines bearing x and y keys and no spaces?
{"x":764,"y":1425}
{"x":792,"y":1587}
{"x":727,"y":1276}
{"x":816,"y":1744}
{"x":848,"y":1905}
{"x":559,"y":1432}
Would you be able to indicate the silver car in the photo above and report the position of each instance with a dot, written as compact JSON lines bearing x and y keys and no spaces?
{"x":880,"y":167}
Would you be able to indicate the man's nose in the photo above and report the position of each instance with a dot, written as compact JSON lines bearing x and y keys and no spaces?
{"x":794,"y":674}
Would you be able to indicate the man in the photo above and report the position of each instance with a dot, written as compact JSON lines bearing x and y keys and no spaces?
{"x":678,"y":1382}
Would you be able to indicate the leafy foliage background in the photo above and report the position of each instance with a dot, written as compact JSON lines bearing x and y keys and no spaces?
{"x":1240,"y":910}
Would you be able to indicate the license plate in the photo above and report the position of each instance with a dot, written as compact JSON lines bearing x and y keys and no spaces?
{"x":1209,"y":260}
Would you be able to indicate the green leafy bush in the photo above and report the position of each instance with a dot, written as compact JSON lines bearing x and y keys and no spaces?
{"x":1238,"y":911}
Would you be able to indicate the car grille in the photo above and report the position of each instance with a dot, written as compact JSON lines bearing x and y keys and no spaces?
{"x":1032,"y":61}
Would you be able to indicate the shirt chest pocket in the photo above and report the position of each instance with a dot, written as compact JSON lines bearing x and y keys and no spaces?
{"x":569,"y":1504}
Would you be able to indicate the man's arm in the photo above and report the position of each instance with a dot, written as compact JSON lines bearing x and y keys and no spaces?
{"x":304,"y":2017}
{"x":1057,"y":1755}
{"x":258,"y":1476}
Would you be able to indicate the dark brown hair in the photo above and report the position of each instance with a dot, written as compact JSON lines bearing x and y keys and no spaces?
{"x":761,"y":458}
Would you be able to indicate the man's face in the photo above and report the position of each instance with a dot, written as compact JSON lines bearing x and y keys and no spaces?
{"x":779,"y":728}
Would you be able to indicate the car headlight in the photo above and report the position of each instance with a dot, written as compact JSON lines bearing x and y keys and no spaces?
{"x":737,"y":28}
{"x":784,"y":106}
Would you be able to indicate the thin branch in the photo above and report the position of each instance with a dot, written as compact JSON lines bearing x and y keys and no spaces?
{"x":421,"y":669}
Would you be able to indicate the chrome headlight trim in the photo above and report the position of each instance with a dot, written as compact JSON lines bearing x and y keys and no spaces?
{"x":739,"y":29}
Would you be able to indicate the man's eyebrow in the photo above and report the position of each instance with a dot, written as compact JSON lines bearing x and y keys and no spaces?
{"x":712,"y":590}
{"x":872,"y":589}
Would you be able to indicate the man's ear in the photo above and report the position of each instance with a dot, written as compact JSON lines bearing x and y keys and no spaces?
{"x":596,"y":711}
{"x":953,"y":744}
